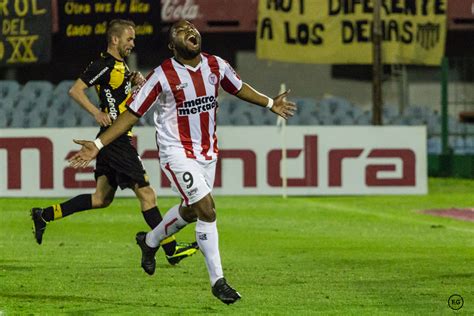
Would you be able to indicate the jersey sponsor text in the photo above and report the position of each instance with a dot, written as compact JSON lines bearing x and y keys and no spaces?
{"x":111,"y":102}
{"x":98,"y":75}
{"x":198,"y":105}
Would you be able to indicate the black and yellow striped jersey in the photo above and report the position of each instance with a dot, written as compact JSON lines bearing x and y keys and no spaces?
{"x":111,"y":78}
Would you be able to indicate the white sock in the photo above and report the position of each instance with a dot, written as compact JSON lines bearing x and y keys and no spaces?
{"x":208,"y":241}
{"x":172,"y":222}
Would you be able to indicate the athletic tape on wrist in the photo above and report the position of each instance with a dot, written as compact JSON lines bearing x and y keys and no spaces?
{"x":98,"y":144}
{"x":270,"y":103}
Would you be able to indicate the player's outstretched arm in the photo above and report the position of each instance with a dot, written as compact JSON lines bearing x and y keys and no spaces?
{"x":278,"y":105}
{"x":90,"y":149}
{"x":83,"y":157}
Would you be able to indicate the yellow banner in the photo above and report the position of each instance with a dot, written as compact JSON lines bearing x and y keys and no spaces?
{"x":340,"y":31}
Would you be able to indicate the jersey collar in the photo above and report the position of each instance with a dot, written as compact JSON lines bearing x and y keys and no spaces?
{"x":193,"y":69}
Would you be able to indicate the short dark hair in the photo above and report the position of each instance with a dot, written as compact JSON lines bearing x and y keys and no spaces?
{"x":172,"y":27}
{"x":170,"y":31}
{"x":116,"y":28}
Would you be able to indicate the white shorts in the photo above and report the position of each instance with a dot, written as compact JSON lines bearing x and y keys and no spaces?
{"x":190,"y":178}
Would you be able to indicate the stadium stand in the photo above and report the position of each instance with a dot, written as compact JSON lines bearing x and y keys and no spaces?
{"x":41,"y":104}
{"x":457,"y":143}
{"x":17,"y":119}
{"x":389,"y":113}
{"x":62,"y":88}
{"x":364,"y":119}
{"x":223,"y":115}
{"x":3,"y":121}
{"x":434,"y":145}
{"x":6,"y":104}
{"x":469,"y":142}
{"x":37,"y":90}
{"x":9,"y":89}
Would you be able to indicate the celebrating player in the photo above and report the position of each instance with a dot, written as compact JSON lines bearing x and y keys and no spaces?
{"x":119,"y":163}
{"x":183,"y":92}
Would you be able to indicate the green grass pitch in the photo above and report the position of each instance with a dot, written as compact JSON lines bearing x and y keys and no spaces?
{"x":375,"y":255}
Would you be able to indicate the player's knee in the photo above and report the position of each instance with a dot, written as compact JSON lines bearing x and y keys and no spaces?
{"x":188,"y":214}
{"x":106,"y":202}
{"x":101,"y":201}
{"x":207,"y":215}
{"x":205,"y":209}
{"x":147,"y":196}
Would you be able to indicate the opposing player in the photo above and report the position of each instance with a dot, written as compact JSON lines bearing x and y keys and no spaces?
{"x":119,"y":164}
{"x":183,"y":93}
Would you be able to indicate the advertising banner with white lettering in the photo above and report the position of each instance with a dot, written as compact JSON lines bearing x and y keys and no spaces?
{"x":326,"y":160}
{"x":340,"y":31}
{"x":25,"y":36}
{"x":83,"y":23}
{"x":212,"y":15}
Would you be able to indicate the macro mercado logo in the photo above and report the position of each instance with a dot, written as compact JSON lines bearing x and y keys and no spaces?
{"x":428,"y":35}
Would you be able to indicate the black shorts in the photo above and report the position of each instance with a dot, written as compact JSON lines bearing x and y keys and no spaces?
{"x":120,"y":163}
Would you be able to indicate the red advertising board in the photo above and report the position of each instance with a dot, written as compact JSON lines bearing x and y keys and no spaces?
{"x":322,"y":160}
{"x":212,"y":15}
{"x":461,"y":15}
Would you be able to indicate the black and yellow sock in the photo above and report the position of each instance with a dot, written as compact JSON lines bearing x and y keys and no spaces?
{"x":169,"y":245}
{"x":76,"y":204}
{"x":153,"y":218}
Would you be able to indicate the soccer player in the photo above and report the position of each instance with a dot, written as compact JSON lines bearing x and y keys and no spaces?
{"x":119,"y":164}
{"x":183,"y":92}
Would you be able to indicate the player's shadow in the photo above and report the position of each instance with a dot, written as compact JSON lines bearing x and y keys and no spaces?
{"x":64,"y":299}
{"x":11,"y":267}
{"x":458,"y":275}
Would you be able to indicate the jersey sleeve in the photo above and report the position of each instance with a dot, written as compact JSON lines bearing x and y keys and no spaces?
{"x":94,"y":73}
{"x":145,"y":96}
{"x":231,"y":81}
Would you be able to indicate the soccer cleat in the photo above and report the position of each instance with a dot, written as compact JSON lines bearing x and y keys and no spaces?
{"x":39,"y":224}
{"x":183,"y":250}
{"x":148,"y":253}
{"x":225,"y":292}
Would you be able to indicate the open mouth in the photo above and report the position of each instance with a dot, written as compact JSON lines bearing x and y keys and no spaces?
{"x":193,"y":40}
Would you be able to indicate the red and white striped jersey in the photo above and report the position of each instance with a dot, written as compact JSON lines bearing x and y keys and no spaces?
{"x":185,"y":104}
